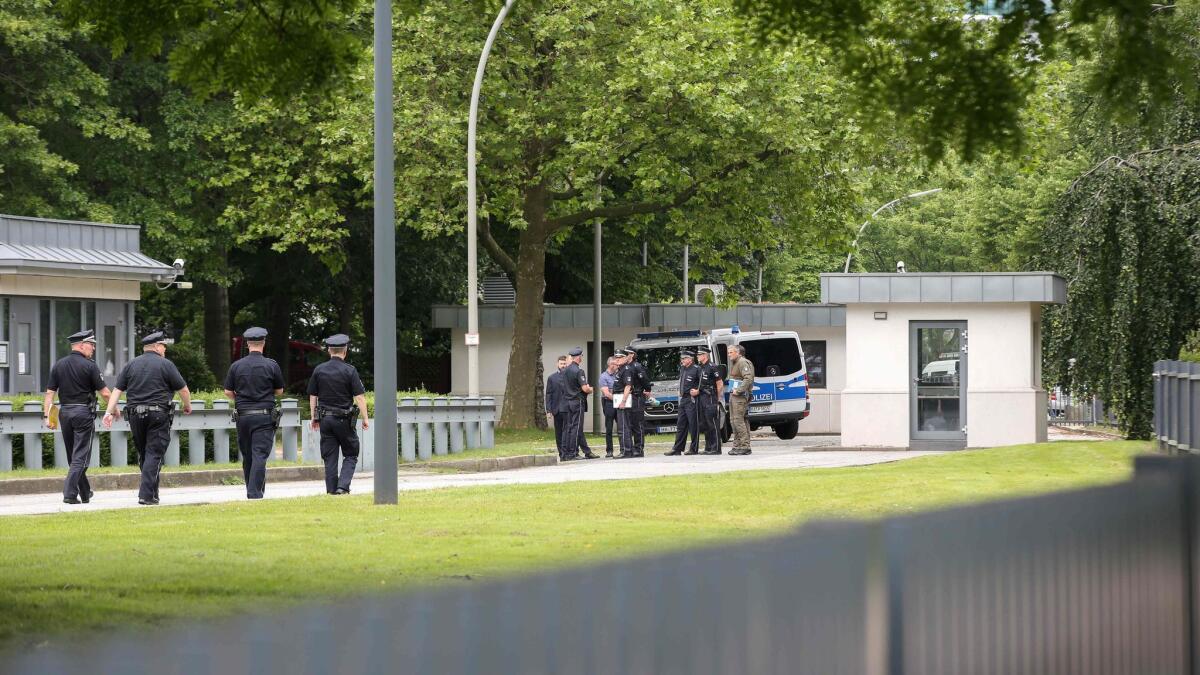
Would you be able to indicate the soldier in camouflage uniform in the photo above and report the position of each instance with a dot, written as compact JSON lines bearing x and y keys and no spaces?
{"x":741,"y":370}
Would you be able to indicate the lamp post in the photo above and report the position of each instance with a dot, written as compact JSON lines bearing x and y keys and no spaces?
{"x":854,"y":246}
{"x":385,"y":262}
{"x":472,"y":251}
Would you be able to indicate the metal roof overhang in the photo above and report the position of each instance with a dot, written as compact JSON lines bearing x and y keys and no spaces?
{"x":87,"y":263}
{"x":664,"y":316}
{"x":1039,"y":287}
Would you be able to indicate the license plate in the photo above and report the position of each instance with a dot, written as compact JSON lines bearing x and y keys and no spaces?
{"x":756,"y":409}
{"x":667,"y":430}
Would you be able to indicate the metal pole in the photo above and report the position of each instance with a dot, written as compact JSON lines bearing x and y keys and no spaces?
{"x":600,"y":367}
{"x":686,"y":251}
{"x":854,"y":246}
{"x":385,"y":261}
{"x":472,"y":254}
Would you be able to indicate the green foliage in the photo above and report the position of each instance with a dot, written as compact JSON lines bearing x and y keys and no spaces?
{"x":191,"y":364}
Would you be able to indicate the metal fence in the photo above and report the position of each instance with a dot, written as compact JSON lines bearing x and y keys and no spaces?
{"x":1177,"y":405}
{"x":426,"y":427}
{"x":1067,"y":410}
{"x":1101,"y":580}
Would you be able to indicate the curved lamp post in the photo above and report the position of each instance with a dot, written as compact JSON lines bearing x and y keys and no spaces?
{"x":885,"y":207}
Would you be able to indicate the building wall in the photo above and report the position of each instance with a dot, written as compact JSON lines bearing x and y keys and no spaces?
{"x":495,"y":344}
{"x":1005,"y":403}
{"x":68,"y":287}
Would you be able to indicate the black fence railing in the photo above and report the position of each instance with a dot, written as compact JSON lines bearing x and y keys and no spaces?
{"x":1100,"y":580}
{"x":1177,"y":406}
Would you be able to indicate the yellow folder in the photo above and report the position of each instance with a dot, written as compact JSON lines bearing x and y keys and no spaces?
{"x":53,"y":423}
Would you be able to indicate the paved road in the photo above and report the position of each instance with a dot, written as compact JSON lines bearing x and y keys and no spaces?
{"x":769,"y":453}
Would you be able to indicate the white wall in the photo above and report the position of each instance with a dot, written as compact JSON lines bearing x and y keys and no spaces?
{"x":1005,"y":404}
{"x":495,"y":343}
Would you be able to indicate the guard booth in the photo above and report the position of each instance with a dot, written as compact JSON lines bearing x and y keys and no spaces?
{"x":58,"y":277}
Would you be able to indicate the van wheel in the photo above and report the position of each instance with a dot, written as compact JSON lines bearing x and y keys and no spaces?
{"x":788,"y":430}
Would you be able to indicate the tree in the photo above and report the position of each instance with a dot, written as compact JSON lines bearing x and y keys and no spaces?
{"x":648,"y":115}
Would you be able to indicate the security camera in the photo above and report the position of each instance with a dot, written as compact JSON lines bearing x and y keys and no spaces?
{"x":900,"y":267}
{"x":178,"y":264}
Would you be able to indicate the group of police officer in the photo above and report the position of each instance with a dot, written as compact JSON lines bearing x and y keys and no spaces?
{"x":151,"y":381}
{"x":626,"y":392}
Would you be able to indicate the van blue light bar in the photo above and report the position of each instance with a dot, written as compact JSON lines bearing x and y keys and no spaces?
{"x":669,"y":334}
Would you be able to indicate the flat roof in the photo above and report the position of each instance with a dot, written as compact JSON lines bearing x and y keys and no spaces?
{"x":1039,"y":287}
{"x":664,"y":316}
{"x":75,"y":248}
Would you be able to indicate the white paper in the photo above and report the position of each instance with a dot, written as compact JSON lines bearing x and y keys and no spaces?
{"x":621,"y":401}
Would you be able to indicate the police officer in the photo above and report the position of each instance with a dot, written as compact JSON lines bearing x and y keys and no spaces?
{"x":76,"y":379}
{"x":742,"y":370}
{"x":149,"y":382}
{"x":687,"y":424}
{"x":253,"y":382}
{"x":575,"y":392}
{"x":336,"y":396}
{"x":635,"y":383}
{"x":708,"y":397}
{"x":556,"y":405}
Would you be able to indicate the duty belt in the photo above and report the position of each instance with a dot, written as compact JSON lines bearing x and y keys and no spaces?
{"x":266,"y":411}
{"x":140,"y":409}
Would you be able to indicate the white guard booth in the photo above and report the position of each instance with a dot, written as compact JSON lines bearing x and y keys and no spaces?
{"x":943,"y":361}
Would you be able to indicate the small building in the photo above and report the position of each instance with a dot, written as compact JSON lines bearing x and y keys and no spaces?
{"x":894,"y":360}
{"x":58,"y":277}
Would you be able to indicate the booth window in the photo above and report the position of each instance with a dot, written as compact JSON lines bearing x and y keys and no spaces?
{"x":814,"y":361}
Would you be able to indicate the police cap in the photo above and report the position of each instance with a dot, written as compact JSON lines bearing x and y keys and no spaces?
{"x":154,"y":338}
{"x":576,"y":351}
{"x":339,"y":340}
{"x":255,"y":333}
{"x":704,"y":350}
{"x":630,"y":351}
{"x":82,"y":336}
{"x":687,"y":354}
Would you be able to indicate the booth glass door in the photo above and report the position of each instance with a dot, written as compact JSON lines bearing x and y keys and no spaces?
{"x":112,"y":340}
{"x":938,"y":368}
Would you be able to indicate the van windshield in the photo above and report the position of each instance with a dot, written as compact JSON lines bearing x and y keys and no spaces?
{"x":662,"y":363}
{"x":774,"y":357}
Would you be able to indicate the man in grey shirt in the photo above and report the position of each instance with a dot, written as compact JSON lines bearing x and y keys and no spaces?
{"x":608,"y":380}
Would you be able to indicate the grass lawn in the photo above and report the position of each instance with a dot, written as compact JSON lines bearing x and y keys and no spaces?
{"x":70,"y":572}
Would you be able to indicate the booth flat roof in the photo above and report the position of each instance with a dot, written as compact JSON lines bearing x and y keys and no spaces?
{"x":75,"y":248}
{"x":1040,"y":287}
{"x":665,"y":316}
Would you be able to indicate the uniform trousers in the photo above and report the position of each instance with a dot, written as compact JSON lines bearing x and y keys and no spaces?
{"x":256,"y":441}
{"x":78,"y":424}
{"x":151,"y":433}
{"x":337,"y":433}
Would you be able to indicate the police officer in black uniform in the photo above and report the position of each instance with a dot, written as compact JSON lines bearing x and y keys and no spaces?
{"x":336,"y":396}
{"x":253,"y":382}
{"x":635,"y":383}
{"x":149,"y":382}
{"x":575,"y":389}
{"x":76,"y":378}
{"x":687,"y":424}
{"x":708,"y":399}
{"x":556,"y":406}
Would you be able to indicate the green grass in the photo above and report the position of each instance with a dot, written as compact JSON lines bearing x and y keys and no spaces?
{"x":67,"y":573}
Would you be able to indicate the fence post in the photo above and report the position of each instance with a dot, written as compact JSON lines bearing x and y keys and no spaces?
{"x":310,"y":441}
{"x":196,"y":439}
{"x":487,"y":422}
{"x":406,"y":414}
{"x":289,"y":427}
{"x":118,"y":443}
{"x":33,"y":442}
{"x":172,"y":456}
{"x":1158,"y":404}
{"x":5,"y":440}
{"x":60,"y":448}
{"x":1185,"y":409}
{"x":1194,"y":414}
{"x":441,"y":426}
{"x":1173,"y":430}
{"x":456,"y":424}
{"x":472,"y":416}
{"x":220,"y":436}
{"x":95,"y":460}
{"x":424,"y":428}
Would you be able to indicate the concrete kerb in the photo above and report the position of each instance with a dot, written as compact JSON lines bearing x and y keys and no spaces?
{"x":130,"y":481}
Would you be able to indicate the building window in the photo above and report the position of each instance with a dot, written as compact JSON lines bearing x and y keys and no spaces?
{"x":68,"y":320}
{"x":814,"y":362}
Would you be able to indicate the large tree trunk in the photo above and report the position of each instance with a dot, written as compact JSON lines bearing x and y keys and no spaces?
{"x":279,"y":328}
{"x":217,"y":337}
{"x":524,"y":406}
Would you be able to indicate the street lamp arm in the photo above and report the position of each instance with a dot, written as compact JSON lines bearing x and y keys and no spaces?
{"x":862,"y":228}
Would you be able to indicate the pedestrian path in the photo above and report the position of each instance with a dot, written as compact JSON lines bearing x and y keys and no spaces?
{"x":768,"y":454}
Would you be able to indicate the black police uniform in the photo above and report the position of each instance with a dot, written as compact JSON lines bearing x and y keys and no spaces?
{"x":634,"y":376}
{"x":335,"y":383}
{"x":707,"y":408}
{"x":687,"y":425}
{"x":573,"y":381}
{"x":556,"y":406}
{"x":150,"y":382}
{"x":253,"y":379}
{"x":77,"y":378}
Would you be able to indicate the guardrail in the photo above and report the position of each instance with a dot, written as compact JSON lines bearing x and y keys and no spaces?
{"x":426,"y":427}
{"x":1177,"y":406}
{"x":1100,"y":580}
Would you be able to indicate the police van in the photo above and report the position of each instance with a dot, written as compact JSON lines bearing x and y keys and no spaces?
{"x":780,"y":395}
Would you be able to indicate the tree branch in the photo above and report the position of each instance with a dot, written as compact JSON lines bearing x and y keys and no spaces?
{"x":1130,"y":161}
{"x":641,"y":208}
{"x":494,"y":249}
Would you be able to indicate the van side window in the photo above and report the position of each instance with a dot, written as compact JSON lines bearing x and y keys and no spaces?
{"x":774,"y":356}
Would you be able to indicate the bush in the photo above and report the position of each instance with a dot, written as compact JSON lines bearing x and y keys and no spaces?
{"x":193,"y":366}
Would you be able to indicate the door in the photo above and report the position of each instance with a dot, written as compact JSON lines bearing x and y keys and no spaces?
{"x":112,"y":341}
{"x":937,"y":397}
{"x":23,"y":350}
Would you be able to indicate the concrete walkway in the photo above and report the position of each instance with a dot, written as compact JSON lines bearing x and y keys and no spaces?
{"x":769,"y":453}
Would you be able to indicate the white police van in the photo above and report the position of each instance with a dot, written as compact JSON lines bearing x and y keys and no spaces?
{"x":780,"y":395}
